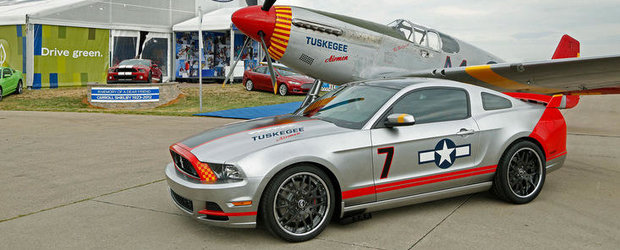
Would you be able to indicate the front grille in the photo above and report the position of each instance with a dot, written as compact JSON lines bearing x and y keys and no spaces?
{"x":306,"y":86}
{"x":126,"y":70}
{"x":182,"y":201}
{"x":212,"y":206}
{"x":183,"y":164}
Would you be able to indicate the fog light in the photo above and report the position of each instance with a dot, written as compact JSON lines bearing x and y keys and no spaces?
{"x":141,"y":77}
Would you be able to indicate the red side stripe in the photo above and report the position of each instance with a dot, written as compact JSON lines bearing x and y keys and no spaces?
{"x":218,"y":213}
{"x":418,"y":181}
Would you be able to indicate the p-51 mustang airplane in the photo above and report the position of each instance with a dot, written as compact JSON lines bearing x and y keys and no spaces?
{"x":341,"y":49}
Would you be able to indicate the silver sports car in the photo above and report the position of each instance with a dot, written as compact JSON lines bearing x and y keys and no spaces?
{"x":368,"y":146}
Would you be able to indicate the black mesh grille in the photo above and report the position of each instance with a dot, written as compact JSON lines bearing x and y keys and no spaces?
{"x":212,"y":206}
{"x":183,"y":202}
{"x":183,"y":164}
{"x":126,"y":70}
{"x":306,"y":86}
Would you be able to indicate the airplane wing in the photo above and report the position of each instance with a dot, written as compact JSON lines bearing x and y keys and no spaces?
{"x":580,"y":76}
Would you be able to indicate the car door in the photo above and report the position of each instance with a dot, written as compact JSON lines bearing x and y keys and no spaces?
{"x":434,"y":153}
{"x":261,"y":78}
{"x":9,"y":81}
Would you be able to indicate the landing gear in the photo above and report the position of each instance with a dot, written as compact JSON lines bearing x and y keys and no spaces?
{"x":313,"y":93}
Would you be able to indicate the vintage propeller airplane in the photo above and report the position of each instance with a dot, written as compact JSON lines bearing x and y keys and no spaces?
{"x":340,"y":49}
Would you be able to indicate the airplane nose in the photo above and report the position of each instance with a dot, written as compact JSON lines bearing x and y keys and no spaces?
{"x":251,"y":20}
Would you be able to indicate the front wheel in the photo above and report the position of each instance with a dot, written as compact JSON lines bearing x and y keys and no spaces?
{"x":150,"y":77}
{"x":249,"y":85}
{"x":1,"y":93}
{"x":283,"y":89}
{"x":20,"y":88}
{"x":298,"y":203}
{"x":521,"y":173}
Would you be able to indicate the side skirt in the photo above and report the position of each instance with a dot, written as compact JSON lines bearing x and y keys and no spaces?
{"x":420,"y":198}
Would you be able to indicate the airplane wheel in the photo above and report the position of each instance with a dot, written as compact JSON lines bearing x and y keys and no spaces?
{"x":249,"y":85}
{"x":283,"y":89}
{"x":521,"y":173}
{"x":298,"y":203}
{"x":20,"y":88}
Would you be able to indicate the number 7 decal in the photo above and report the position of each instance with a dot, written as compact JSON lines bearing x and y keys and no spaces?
{"x":388,"y":160}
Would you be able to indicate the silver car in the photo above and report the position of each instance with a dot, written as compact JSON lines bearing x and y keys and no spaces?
{"x":364,"y":147}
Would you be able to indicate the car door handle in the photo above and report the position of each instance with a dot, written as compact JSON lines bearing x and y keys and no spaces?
{"x":465,"y":132}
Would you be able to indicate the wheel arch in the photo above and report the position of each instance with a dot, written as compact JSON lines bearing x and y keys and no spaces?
{"x":332,"y":178}
{"x":524,"y":138}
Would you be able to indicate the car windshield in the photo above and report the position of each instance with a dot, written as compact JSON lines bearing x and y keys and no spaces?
{"x":349,"y":106}
{"x":135,"y":62}
{"x":286,"y":72}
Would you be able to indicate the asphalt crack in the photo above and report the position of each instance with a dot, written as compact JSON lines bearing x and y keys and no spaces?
{"x":80,"y":201}
{"x":444,"y":219}
{"x":135,"y":207}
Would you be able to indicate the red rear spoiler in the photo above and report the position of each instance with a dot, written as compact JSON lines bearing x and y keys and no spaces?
{"x":556,"y":101}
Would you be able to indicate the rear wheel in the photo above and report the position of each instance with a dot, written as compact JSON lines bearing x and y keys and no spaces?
{"x":298,"y":203}
{"x":20,"y":87}
{"x":1,"y":93}
{"x":521,"y":173}
{"x":249,"y":85}
{"x":283,"y":89}
{"x":150,"y":77}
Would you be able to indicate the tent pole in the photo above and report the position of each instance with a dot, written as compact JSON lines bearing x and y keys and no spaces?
{"x":200,"y":45}
{"x":232,"y":53}
{"x":29,"y":53}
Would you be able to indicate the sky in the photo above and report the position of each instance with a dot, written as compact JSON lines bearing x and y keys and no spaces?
{"x":516,"y":31}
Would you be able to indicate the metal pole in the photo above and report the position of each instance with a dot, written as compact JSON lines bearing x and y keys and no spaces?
{"x":200,"y":47}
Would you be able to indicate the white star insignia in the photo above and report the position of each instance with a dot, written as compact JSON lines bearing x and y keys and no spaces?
{"x":445,"y":153}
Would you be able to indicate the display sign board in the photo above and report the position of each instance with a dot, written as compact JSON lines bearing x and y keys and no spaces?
{"x":13,"y":47}
{"x":125,"y":94}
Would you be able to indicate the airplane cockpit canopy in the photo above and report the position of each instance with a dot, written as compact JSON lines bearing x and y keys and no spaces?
{"x":426,"y":37}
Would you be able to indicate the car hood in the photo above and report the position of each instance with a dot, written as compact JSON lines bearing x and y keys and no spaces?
{"x":300,"y":79}
{"x":223,"y":144}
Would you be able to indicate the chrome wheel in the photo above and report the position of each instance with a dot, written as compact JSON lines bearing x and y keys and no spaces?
{"x":302,"y":204}
{"x":283,"y":89}
{"x":249,"y":85}
{"x":524,"y":172}
{"x":20,"y":88}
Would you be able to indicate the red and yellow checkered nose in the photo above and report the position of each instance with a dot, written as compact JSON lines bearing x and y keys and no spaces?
{"x":275,"y":24}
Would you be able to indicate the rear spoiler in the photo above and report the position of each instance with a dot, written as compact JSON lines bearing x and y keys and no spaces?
{"x":556,"y":101}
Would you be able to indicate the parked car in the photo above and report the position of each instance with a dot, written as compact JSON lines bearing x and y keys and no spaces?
{"x":134,"y":71}
{"x":289,"y":81}
{"x":11,"y":81}
{"x":364,"y":147}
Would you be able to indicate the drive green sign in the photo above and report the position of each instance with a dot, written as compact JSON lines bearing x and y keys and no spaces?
{"x":69,"y":56}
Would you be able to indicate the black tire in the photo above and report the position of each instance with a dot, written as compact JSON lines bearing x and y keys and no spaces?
{"x":282,"y":89}
{"x":20,"y":88}
{"x":520,"y":174}
{"x":1,"y":93}
{"x":298,"y":203}
{"x":150,"y":77}
{"x":249,"y":85}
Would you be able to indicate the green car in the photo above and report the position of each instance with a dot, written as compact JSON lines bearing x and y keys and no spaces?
{"x":10,"y":81}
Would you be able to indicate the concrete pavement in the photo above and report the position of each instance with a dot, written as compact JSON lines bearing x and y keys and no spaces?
{"x":95,"y":181}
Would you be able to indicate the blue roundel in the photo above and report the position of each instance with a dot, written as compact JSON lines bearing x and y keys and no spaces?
{"x":445,"y":153}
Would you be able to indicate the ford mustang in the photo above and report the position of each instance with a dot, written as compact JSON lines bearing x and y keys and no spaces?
{"x":11,"y":81}
{"x":135,"y":70}
{"x":368,"y":146}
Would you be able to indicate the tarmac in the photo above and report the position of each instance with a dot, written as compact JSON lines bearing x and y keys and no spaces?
{"x":96,"y":181}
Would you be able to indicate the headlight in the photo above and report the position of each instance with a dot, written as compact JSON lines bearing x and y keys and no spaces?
{"x":110,"y":70}
{"x":226,"y":173}
{"x":294,"y":83}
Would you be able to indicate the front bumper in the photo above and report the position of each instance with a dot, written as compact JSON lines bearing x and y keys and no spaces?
{"x":204,"y":196}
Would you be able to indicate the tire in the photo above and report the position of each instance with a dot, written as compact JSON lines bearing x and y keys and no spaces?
{"x":521,"y":173}
{"x":1,"y":94}
{"x":20,"y":88}
{"x":298,"y":203}
{"x":249,"y":85}
{"x":282,"y":89}
{"x":150,"y":80}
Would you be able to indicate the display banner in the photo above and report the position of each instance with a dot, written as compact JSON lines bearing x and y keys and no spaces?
{"x":13,"y":47}
{"x":129,"y":94}
{"x":69,"y":56}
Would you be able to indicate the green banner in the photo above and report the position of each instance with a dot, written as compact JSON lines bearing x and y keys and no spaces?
{"x":69,"y":56}
{"x":12,"y":46}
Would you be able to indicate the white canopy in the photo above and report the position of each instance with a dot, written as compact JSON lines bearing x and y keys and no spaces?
{"x":214,"y":20}
{"x":144,"y":15}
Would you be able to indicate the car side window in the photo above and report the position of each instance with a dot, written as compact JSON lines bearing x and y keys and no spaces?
{"x":434,"y":105}
{"x":494,"y":102}
{"x":260,"y":70}
{"x":6,"y":72}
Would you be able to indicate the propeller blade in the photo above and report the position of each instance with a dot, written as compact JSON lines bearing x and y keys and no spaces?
{"x":267,"y":5}
{"x":232,"y":69}
{"x":271,"y":70}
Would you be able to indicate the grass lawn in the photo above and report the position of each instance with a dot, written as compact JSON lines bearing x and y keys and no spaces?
{"x":214,"y":98}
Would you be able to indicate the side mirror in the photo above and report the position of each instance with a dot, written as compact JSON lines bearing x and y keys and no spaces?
{"x":398,"y":120}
